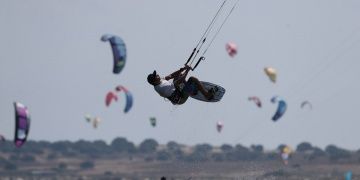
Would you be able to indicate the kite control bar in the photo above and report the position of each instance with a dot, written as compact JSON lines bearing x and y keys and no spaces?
{"x":197,"y":63}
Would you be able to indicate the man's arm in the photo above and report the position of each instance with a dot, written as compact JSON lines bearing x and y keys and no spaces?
{"x":177,"y":73}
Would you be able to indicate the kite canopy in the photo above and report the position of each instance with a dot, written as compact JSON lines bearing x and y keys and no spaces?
{"x":281,"y":109}
{"x":271,"y":73}
{"x":306,"y":104}
{"x":231,"y":49}
{"x":219,"y":126}
{"x":88,"y":118}
{"x":96,"y":122}
{"x":285,"y":154}
{"x":153,"y":121}
{"x":128,"y":95}
{"x":22,"y":124}
{"x":119,"y":51}
{"x":110,"y":96}
{"x":256,"y":100}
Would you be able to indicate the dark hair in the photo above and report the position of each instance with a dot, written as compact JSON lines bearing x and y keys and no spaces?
{"x":151,"y":77}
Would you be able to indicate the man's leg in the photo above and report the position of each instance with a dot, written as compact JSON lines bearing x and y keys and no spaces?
{"x":200,"y":87}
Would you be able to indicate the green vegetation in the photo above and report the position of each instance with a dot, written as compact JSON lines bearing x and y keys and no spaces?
{"x":150,"y":150}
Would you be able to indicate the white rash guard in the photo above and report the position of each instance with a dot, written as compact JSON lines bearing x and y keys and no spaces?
{"x":165,"y":88}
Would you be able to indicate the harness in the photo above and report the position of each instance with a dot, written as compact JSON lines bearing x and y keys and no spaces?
{"x":175,"y":97}
{"x":182,"y":92}
{"x":179,"y":96}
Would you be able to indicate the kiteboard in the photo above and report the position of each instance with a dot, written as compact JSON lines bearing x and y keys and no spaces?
{"x":218,"y":92}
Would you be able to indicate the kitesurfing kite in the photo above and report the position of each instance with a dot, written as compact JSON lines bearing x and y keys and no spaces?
{"x":96,"y":121}
{"x":88,"y":118}
{"x":231,"y":49}
{"x":119,"y":51}
{"x":110,"y":96}
{"x":153,"y":121}
{"x":285,"y":154}
{"x":281,"y":109}
{"x":22,"y":124}
{"x":128,"y":95}
{"x":306,"y":104}
{"x":256,"y":100}
{"x":113,"y":96}
{"x":271,"y":73}
{"x":219,"y":126}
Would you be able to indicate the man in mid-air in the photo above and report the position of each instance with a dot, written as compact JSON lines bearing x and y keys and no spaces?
{"x":178,"y":90}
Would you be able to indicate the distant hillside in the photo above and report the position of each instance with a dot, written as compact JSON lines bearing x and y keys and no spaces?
{"x":150,"y":159}
{"x":151,"y":150}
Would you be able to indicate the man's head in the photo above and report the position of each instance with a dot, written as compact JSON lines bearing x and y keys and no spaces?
{"x":153,"y":78}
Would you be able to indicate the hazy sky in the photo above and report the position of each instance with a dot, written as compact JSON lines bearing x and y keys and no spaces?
{"x":52,"y":60}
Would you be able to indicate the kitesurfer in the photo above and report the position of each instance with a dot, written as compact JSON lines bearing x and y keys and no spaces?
{"x":179,"y":89}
